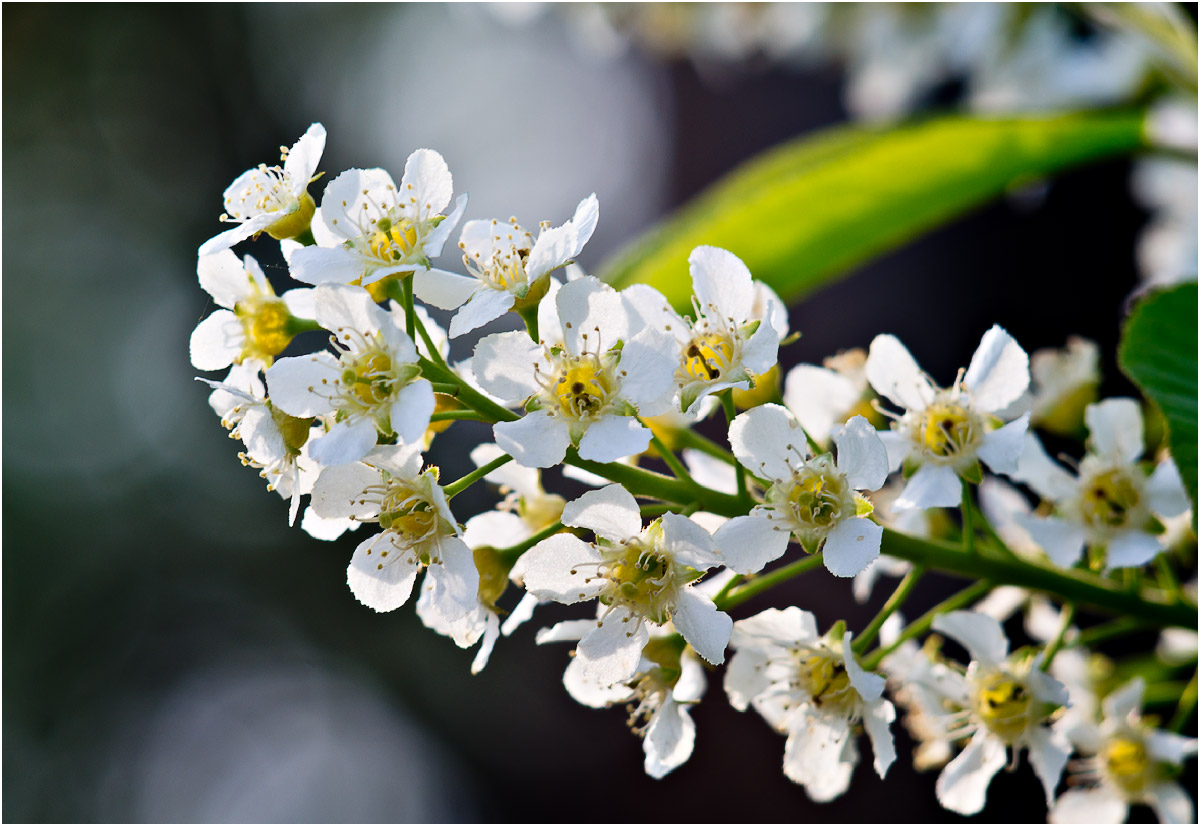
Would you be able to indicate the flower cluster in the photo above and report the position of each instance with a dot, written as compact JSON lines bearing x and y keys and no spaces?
{"x":602,"y":381}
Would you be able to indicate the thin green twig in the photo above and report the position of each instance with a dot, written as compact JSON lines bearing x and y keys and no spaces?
{"x":757,"y":585}
{"x":960,"y":600}
{"x":458,"y":486}
{"x":902,"y":592}
{"x":1055,"y":645}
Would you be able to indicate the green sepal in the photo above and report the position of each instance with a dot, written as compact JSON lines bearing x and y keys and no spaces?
{"x":749,"y":328}
{"x":529,"y":315}
{"x":533,"y":405}
{"x":407,"y":373}
{"x":972,"y":473}
{"x":294,"y":430}
{"x":862,"y":505}
{"x":623,"y":408}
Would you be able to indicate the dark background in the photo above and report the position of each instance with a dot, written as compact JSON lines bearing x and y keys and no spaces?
{"x":172,"y":650}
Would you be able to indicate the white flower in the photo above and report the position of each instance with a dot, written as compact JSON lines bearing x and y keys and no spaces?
{"x":811,"y":498}
{"x":418,"y":532}
{"x":368,"y":228}
{"x":824,"y":398}
{"x":584,"y":384}
{"x":947,"y":430}
{"x":509,"y":268}
{"x":1111,"y":503}
{"x":272,"y":199}
{"x":813,"y":689}
{"x":1004,"y":702}
{"x":255,"y":325}
{"x":643,"y":576}
{"x":668,"y":681}
{"x":732,"y":338}
{"x":372,"y":385}
{"x":276,"y":443}
{"x":1130,"y":763}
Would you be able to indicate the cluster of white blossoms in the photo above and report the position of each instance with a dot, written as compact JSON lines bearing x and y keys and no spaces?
{"x":602,"y":381}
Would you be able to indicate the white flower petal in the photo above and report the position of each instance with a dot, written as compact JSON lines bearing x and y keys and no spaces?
{"x":1102,"y":804}
{"x":588,"y":305}
{"x":535,"y":440}
{"x":898,"y":446}
{"x":962,"y":785}
{"x":1047,"y":477}
{"x":784,"y":628}
{"x":747,"y":543}
{"x":325,"y":265}
{"x":746,"y":677}
{"x":304,"y":156}
{"x":815,"y":755}
{"x":1125,"y":700}
{"x":692,"y":683}
{"x":483,"y":307}
{"x":236,"y":234}
{"x":688,"y":543}
{"x":216,"y":341}
{"x":1168,"y":747}
{"x":555,"y":247}
{"x":819,"y":398}
{"x":520,"y":615}
{"x":224,"y":277}
{"x":981,"y":635}
{"x":668,"y":739}
{"x":851,"y":546}
{"x":861,"y":456}
{"x":610,"y":512}
{"x":566,"y":631}
{"x":562,"y":568}
{"x":440,"y":234}
{"x":764,"y":439}
{"x":411,"y":410}
{"x":495,"y":529}
{"x":1000,"y":449}
{"x":896,"y":376}
{"x":648,"y":373}
{"x":877,"y":720}
{"x":327,"y":530}
{"x":1171,"y":803}
{"x":761,"y":352}
{"x":1115,"y":429}
{"x":1165,"y":493}
{"x":1132,"y":549}
{"x":426,"y":186}
{"x":505,"y":364}
{"x":339,"y":492}
{"x":299,"y":385}
{"x":452,"y":580}
{"x":1061,"y":540}
{"x":932,"y":486}
{"x":346,"y":441}
{"x":264,"y":443}
{"x":490,"y":635}
{"x":1048,"y":752}
{"x":868,"y":685}
{"x":342,"y":307}
{"x":705,"y":628}
{"x":610,"y":653}
{"x":614,"y":437}
{"x":999,"y":371}
{"x":301,"y":302}
{"x":587,"y":692}
{"x":445,"y":290}
{"x":722,"y":284}
{"x":382,"y":583}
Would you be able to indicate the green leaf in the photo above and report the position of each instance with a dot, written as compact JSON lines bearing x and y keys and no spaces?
{"x":812,"y":209}
{"x":1158,"y":351}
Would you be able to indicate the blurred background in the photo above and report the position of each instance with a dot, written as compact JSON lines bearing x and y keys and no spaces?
{"x":172,"y":650}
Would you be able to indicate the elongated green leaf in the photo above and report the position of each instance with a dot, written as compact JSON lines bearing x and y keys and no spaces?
{"x":1158,"y":351}
{"x":813,"y":208}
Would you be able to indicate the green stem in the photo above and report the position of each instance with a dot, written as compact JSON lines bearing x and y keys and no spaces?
{"x":410,"y":315}
{"x":756,"y":586}
{"x":902,"y":592}
{"x":968,"y":529}
{"x":457,"y":487}
{"x":1070,"y":585}
{"x":444,"y":415}
{"x":522,"y":547}
{"x":467,"y":394}
{"x":671,"y":459}
{"x":1115,"y":628}
{"x":1068,"y":616}
{"x":641,"y":482}
{"x":692,"y":439}
{"x":1187,"y":704}
{"x":445,"y":387}
{"x":1166,"y":577}
{"x":960,"y":600}
{"x":297,"y":325}
{"x":733,"y":582}
{"x":743,"y":494}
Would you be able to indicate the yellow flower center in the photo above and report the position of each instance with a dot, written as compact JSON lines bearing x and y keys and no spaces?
{"x":816,"y":497}
{"x":266,"y":324}
{"x":641,"y":578}
{"x":392,"y":242}
{"x":369,"y":378}
{"x":823,"y":676}
{"x":1108,"y":498}
{"x":707,"y":357}
{"x":1003,"y":703}
{"x":1125,"y":761}
{"x":583,"y":388}
{"x":946,"y":430}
